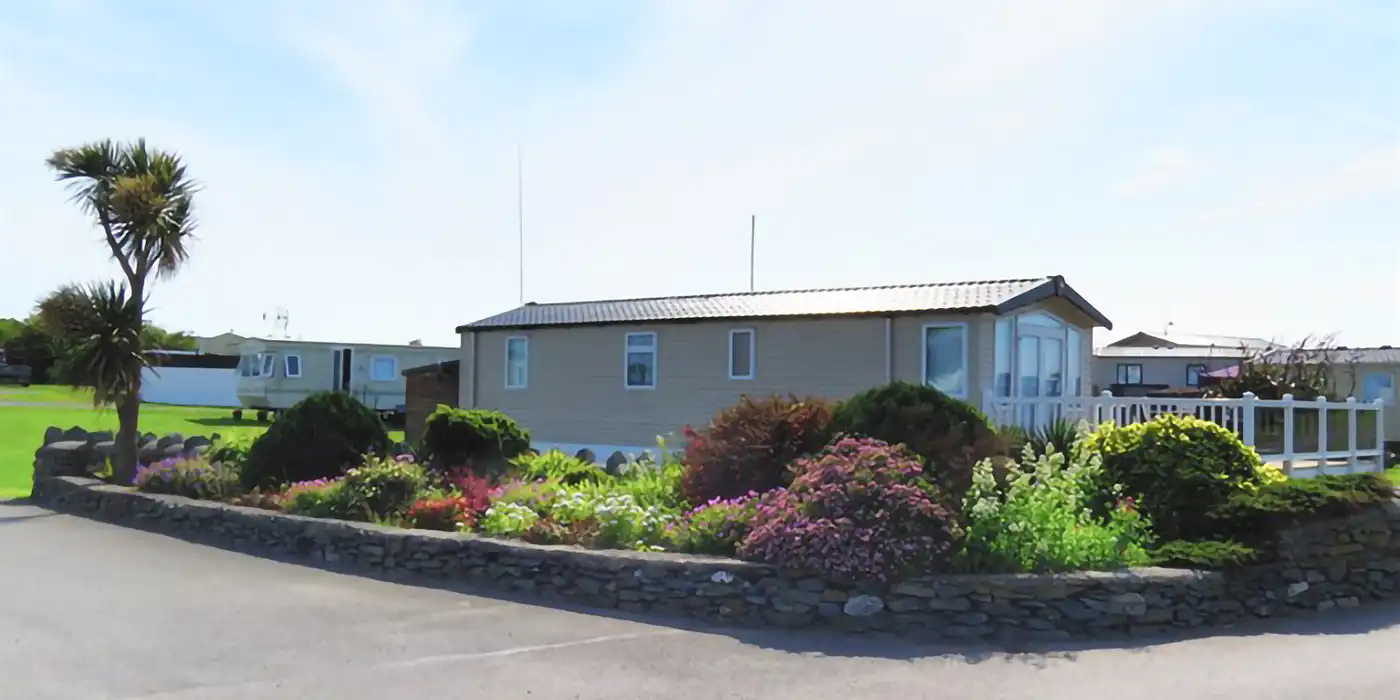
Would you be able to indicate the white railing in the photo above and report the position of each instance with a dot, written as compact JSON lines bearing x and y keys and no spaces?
{"x":1306,"y":435}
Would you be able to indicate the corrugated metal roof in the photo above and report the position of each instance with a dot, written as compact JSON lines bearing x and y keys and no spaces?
{"x":1185,"y":351}
{"x":949,"y":296}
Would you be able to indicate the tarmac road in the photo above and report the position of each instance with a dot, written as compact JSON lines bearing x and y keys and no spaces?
{"x":91,"y":610}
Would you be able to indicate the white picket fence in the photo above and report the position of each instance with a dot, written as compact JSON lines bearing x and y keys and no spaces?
{"x":1311,"y":437}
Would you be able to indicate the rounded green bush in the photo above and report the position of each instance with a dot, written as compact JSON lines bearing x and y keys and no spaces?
{"x":320,"y":437}
{"x":949,"y":435}
{"x":1179,"y":468}
{"x":475,"y":439}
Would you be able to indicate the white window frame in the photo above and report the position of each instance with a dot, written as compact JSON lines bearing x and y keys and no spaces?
{"x":374,"y":362}
{"x":287,"y":366}
{"x":1122,"y":373}
{"x":525,"y":384}
{"x":267,"y":365}
{"x":655,"y":360}
{"x":923,"y":355}
{"x":753,"y":353}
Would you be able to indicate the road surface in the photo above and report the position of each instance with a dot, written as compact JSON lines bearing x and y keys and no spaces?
{"x":90,"y":610}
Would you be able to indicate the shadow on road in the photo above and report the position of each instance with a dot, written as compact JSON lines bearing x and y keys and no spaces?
{"x":1368,"y":618}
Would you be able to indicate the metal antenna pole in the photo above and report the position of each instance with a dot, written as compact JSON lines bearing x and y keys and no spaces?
{"x":753,"y":228}
{"x":520,"y":213}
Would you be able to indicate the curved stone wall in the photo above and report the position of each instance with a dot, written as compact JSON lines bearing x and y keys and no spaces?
{"x":1335,"y":564}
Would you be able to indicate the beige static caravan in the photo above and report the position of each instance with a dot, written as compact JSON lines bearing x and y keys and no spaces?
{"x":274,"y":374}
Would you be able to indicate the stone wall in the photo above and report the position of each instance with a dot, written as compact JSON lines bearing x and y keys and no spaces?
{"x":1323,"y":566}
{"x":77,"y":452}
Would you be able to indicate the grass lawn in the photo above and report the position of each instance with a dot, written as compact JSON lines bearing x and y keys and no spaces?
{"x":1393,"y":474}
{"x":22,"y":427}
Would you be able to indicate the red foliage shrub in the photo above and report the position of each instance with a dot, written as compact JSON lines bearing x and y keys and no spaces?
{"x":470,"y":498}
{"x":861,"y":509}
{"x":477,"y":490}
{"x":748,"y":446}
{"x":441,"y":514}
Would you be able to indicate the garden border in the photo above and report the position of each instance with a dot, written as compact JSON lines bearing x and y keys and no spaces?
{"x":1323,"y":565}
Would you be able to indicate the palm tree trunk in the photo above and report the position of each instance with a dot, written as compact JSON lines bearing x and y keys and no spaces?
{"x":128,"y":437}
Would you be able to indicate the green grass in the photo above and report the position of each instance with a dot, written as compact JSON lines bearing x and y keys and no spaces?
{"x":44,"y":394}
{"x":22,"y":427}
{"x":1393,"y":474}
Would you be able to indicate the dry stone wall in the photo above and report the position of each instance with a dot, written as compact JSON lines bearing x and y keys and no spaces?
{"x":1323,"y":566}
{"x":78,"y":452}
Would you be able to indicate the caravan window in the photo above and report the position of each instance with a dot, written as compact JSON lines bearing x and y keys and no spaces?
{"x":384,"y":368}
{"x":292,"y":368}
{"x":258,"y":364}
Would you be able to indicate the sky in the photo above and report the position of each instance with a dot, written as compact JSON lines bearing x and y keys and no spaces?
{"x":1225,"y":167}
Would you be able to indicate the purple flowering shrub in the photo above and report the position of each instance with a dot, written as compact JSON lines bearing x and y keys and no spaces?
{"x":192,"y":477}
{"x":716,"y":527}
{"x":860,"y":509}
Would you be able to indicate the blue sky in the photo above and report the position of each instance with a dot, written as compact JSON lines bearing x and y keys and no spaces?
{"x":1227,"y":167}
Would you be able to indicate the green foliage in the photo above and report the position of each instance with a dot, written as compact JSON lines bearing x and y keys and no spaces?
{"x":1041,"y":520}
{"x":323,"y":498}
{"x":559,"y":467}
{"x":1204,"y":554}
{"x":321,"y":436}
{"x":386,"y":486}
{"x":476,"y":439}
{"x":717,"y":527}
{"x":192,"y":477}
{"x":1256,"y":515}
{"x":232,"y":450}
{"x":949,"y":435}
{"x":97,"y":329}
{"x":653,"y":485}
{"x":1179,"y":468}
{"x":1059,"y":434}
{"x":748,"y":446}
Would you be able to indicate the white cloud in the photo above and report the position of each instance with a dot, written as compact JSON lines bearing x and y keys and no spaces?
{"x":1161,"y":169}
{"x":1360,"y":177}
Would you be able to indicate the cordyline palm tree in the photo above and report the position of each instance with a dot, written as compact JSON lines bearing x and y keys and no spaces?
{"x":143,"y":201}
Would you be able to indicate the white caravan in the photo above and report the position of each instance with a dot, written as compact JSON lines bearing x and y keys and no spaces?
{"x":273,"y":374}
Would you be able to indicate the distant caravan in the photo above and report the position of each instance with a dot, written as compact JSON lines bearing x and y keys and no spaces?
{"x":274,"y":374}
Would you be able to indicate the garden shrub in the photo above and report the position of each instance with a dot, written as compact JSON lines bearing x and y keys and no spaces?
{"x":748,"y":446}
{"x":320,"y":437}
{"x":323,"y":498}
{"x":949,"y":435}
{"x":232,"y":450}
{"x":860,"y":509}
{"x":446,"y":513}
{"x":477,"y":439}
{"x":1040,"y":519}
{"x":386,"y":486}
{"x":560,"y":467}
{"x":1255,"y":516}
{"x":1060,"y":434}
{"x":657,"y":485}
{"x":1204,"y":554}
{"x":1179,"y":468}
{"x":716,"y":527}
{"x":191,"y":477}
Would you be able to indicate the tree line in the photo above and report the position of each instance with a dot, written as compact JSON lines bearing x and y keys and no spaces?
{"x":29,"y":342}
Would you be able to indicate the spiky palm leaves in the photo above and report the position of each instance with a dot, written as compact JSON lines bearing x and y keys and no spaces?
{"x":98,"y":325}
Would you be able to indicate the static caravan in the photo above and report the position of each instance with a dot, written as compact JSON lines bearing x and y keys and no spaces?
{"x":275,"y":374}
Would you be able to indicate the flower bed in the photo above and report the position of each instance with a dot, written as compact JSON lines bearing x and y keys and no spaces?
{"x":842,"y":523}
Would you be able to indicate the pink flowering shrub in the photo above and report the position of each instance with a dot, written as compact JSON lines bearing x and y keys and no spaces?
{"x":860,"y":509}
{"x":716,"y":527}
